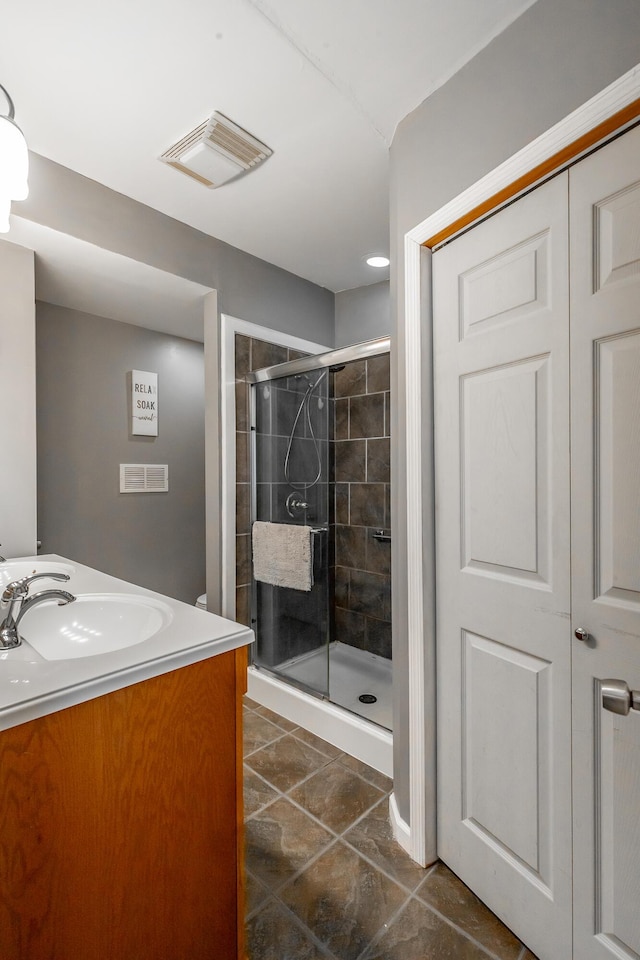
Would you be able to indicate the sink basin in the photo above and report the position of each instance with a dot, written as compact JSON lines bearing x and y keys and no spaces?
{"x":11,"y":570}
{"x":93,"y":624}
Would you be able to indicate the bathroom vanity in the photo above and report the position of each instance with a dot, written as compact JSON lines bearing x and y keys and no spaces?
{"x":121,"y":779}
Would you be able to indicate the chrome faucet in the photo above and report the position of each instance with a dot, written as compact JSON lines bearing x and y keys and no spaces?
{"x":16,"y":596}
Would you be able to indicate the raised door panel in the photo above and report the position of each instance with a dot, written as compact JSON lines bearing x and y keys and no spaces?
{"x":617,"y":465}
{"x":617,"y":240}
{"x":617,"y":839}
{"x":502,"y":565}
{"x":506,"y":713}
{"x":605,"y":466}
{"x":505,"y":483}
{"x":507,"y":287}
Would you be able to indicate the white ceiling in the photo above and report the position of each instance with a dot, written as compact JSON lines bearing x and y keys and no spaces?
{"x":105,"y":88}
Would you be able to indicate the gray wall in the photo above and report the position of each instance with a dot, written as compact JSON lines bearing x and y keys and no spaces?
{"x":83,"y":410}
{"x":556,"y":56}
{"x":363,"y":314}
{"x":360,"y":567}
{"x":248,"y":288}
{"x":18,"y":402}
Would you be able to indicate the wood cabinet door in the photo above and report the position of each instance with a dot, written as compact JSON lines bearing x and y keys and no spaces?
{"x":118,"y":834}
{"x":605,"y":470}
{"x":501,"y":355}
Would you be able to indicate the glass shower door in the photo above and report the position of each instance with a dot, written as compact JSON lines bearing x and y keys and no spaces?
{"x":289,"y":484}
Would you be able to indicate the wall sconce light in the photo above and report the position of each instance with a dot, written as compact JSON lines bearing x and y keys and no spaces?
{"x":14,"y":163}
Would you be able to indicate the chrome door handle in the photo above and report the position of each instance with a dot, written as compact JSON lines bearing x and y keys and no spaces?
{"x":581,"y":633}
{"x":618,"y":698}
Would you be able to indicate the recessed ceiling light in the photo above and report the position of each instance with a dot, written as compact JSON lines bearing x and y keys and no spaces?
{"x":378,"y":261}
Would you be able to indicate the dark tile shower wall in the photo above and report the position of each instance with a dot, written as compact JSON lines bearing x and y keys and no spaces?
{"x":293,"y":622}
{"x":361,"y":469}
{"x":250,"y":354}
{"x":360,"y":569}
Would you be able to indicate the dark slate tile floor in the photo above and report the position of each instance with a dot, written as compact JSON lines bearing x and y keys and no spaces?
{"x":325,"y":880}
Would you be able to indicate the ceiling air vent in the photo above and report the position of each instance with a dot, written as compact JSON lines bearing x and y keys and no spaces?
{"x":144,"y":478}
{"x":216,"y":151}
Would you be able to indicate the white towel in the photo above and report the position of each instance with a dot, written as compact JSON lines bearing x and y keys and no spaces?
{"x":283,"y":554}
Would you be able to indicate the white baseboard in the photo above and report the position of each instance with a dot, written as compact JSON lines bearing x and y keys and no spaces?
{"x":401,"y":829}
{"x":403,"y":836}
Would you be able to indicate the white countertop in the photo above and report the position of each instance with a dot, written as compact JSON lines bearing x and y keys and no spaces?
{"x":32,"y":687}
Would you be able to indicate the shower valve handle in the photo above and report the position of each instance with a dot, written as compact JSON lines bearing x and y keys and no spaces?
{"x":295,"y":504}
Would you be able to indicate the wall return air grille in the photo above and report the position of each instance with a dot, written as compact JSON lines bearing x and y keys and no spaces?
{"x":216,"y":151}
{"x":144,"y":478}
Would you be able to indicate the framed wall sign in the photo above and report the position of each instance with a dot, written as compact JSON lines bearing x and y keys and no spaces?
{"x":144,"y":403}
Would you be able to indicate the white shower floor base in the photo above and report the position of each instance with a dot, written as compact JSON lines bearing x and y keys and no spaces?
{"x":352,"y":672}
{"x":350,"y":733}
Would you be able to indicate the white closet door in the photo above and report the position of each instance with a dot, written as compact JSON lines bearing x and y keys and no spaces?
{"x":605,"y":459}
{"x":503,"y":592}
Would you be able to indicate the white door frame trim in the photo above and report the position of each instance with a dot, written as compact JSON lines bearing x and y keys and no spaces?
{"x":418,"y":837}
{"x":229,"y":326}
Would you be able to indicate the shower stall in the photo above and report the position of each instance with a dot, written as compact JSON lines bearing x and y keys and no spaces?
{"x":320,"y":436}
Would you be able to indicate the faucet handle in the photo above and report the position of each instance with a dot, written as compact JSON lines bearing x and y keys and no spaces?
{"x":14,"y":590}
{"x":20,"y":588}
